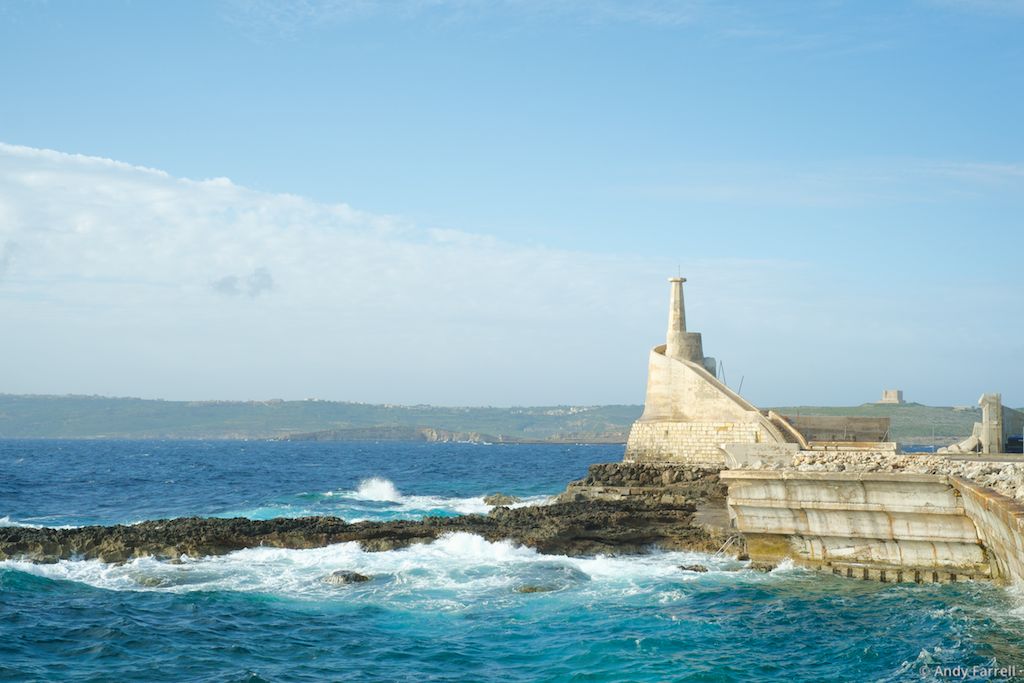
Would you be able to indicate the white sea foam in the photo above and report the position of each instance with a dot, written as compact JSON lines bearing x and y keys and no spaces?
{"x":377,"y":488}
{"x":375,"y":498}
{"x":787,"y":566}
{"x":1015,"y":593}
{"x":455,"y":572}
{"x":8,"y":522}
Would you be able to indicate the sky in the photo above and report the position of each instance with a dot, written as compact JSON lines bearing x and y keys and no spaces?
{"x":470,"y":202}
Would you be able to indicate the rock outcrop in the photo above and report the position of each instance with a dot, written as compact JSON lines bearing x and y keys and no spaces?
{"x":501,"y":499}
{"x":654,"y":484}
{"x":617,"y":509}
{"x":582,"y":528}
{"x":343,"y":577}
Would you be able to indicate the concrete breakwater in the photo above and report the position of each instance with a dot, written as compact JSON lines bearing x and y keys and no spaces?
{"x":833,"y":492}
{"x":1005,"y":477}
{"x":1000,"y":523}
{"x":887,"y":526}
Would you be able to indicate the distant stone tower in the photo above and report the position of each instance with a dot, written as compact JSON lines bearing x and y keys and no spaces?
{"x":689,"y":414}
{"x":892,"y":396}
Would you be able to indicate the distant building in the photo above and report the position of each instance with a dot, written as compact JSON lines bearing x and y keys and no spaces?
{"x":892,"y":396}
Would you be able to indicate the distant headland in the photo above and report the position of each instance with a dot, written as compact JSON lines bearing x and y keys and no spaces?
{"x":100,"y":417}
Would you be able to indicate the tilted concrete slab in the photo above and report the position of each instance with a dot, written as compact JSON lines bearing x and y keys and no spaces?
{"x":1000,"y":523}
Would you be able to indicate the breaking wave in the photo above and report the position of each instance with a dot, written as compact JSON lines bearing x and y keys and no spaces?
{"x":377,"y":488}
{"x":6,"y":521}
{"x":457,"y":571}
{"x":374,"y":499}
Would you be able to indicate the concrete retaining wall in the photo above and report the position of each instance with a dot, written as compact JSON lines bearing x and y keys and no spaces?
{"x":1000,"y":523}
{"x":885,"y":526}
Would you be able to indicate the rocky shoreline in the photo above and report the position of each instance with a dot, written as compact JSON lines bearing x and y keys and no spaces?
{"x":591,"y":518}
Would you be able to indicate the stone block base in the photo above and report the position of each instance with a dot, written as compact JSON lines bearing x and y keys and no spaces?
{"x":686,"y":442}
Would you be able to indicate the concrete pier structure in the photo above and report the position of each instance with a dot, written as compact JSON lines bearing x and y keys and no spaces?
{"x":811,"y":489}
{"x":884,"y":526}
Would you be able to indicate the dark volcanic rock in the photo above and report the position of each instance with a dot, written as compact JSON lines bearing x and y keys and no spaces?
{"x":653,"y":482}
{"x":344,"y":576}
{"x":581,"y":528}
{"x":500,"y":499}
{"x":619,"y":508}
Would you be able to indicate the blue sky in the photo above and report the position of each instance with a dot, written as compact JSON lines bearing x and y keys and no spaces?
{"x":843,"y":181}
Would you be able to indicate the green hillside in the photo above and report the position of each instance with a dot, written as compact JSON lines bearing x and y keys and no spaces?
{"x":911,"y":422}
{"x":94,"y":417}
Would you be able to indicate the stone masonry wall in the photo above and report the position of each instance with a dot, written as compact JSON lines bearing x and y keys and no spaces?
{"x":687,"y":442}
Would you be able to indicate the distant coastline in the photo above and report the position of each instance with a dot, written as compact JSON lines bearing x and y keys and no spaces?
{"x":100,"y":417}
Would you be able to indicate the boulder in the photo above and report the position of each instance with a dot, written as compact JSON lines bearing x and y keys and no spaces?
{"x":531,"y":588}
{"x":500,"y":499}
{"x":699,"y":568}
{"x":344,"y":576}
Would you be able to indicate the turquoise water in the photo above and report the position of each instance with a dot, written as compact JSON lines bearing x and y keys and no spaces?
{"x":447,"y":611}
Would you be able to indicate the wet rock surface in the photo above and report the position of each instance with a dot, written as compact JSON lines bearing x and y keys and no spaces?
{"x":580,"y":526}
{"x":343,"y":577}
{"x":500,"y":499}
{"x":656,"y":484}
{"x":583,"y":528}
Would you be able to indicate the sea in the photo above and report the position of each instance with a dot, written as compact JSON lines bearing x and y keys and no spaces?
{"x":448,"y":611}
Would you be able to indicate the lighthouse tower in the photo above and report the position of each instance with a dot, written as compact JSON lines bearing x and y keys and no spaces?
{"x":689,"y":415}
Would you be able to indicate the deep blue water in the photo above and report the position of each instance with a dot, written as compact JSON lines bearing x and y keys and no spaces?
{"x":445,"y":611}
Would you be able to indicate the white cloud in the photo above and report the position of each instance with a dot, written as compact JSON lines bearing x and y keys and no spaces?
{"x":122,"y":280}
{"x":876,"y":182}
{"x":126,"y":280}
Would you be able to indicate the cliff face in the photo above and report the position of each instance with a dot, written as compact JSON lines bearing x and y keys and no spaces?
{"x":433,"y":434}
{"x":394,"y":433}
